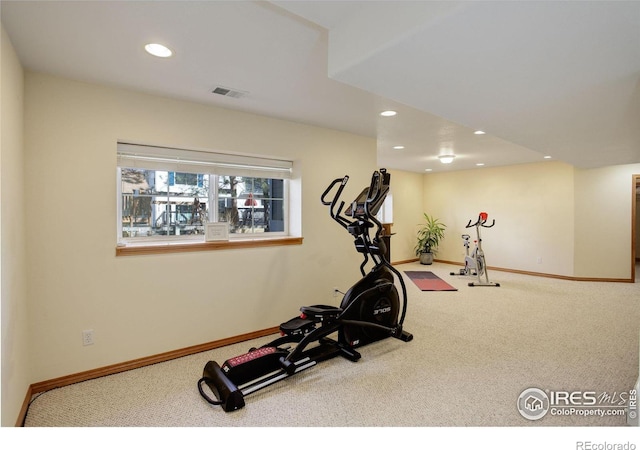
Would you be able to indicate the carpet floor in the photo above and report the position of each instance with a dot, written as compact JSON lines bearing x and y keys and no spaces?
{"x":474,"y":352}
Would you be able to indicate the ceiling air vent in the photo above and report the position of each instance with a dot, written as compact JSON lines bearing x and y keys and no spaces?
{"x":228,"y":92}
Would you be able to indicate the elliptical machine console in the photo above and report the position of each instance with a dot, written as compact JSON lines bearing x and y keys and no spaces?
{"x":371,"y":310}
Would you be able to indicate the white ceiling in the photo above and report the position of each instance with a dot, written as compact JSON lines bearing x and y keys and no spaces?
{"x":541,"y":78}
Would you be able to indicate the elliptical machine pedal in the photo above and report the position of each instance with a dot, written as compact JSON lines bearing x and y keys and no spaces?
{"x":297,"y":326}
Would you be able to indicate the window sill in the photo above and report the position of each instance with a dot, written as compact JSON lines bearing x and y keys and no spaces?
{"x":181,"y":247}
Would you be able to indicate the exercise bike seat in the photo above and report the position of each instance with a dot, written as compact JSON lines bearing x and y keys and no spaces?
{"x":320,"y":312}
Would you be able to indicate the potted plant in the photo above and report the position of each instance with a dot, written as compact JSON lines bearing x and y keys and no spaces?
{"x":429,"y":237}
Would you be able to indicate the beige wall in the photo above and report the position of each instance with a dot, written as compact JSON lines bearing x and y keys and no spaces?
{"x":550,"y":217}
{"x":532,"y":205}
{"x":15,"y":350}
{"x":143,"y":305}
{"x":603,"y":208}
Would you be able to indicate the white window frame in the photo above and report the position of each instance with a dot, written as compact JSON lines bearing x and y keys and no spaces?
{"x":212,"y":164}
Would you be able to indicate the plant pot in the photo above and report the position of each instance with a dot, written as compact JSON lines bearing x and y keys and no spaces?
{"x":426,"y":258}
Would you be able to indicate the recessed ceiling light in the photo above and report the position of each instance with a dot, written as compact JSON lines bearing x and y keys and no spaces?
{"x":398,"y":147}
{"x":479,"y":132}
{"x":388,"y":113}
{"x":428,"y":170}
{"x":480,"y":164}
{"x":158,"y":50}
{"x":547,"y":157}
{"x":446,"y":159}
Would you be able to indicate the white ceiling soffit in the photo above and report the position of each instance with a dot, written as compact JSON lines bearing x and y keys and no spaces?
{"x":541,"y":78}
{"x":559,"y":78}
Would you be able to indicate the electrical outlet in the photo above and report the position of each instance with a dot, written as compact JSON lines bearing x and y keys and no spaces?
{"x":336,"y":291}
{"x":87,"y":337}
{"x":539,"y":259}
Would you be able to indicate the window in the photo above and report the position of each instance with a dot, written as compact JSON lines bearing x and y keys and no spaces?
{"x":170,"y":194}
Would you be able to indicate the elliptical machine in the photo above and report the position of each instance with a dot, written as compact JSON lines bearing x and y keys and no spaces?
{"x":371,"y":310}
{"x":474,"y":263}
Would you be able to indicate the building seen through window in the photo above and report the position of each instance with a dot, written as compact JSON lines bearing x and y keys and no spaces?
{"x":170,"y":204}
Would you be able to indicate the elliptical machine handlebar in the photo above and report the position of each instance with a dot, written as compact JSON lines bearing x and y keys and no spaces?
{"x":343,"y":182}
{"x":369,"y":198}
{"x":482,"y":220}
{"x":374,"y":188}
{"x":332,"y":203}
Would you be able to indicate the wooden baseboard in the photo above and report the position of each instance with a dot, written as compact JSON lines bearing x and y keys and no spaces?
{"x":133,"y":364}
{"x":548,"y":275}
{"x":25,"y":406}
{"x":406,"y":261}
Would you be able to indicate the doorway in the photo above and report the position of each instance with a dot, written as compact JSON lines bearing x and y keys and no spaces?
{"x":635,"y":229}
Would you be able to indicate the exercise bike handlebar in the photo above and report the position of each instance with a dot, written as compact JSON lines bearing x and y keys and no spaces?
{"x":482,"y":220}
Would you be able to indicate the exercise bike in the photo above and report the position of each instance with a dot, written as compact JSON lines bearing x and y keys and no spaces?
{"x":474,"y":263}
{"x":469,"y":260}
{"x":371,"y":310}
